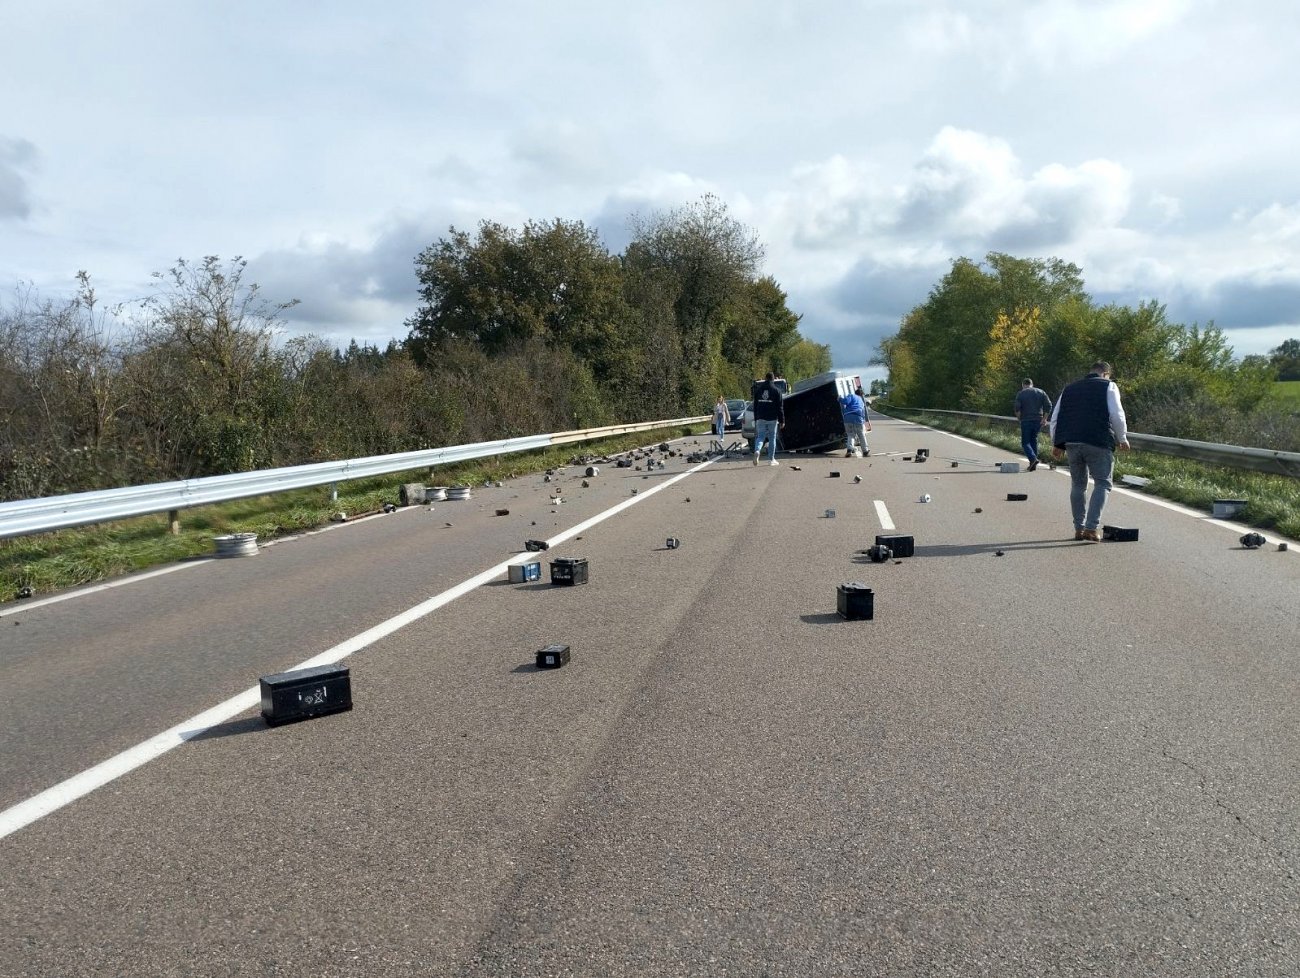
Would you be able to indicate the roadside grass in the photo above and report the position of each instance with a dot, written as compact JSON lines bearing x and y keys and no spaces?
{"x":69,"y":558}
{"x":1287,"y":392}
{"x":1273,"y":501}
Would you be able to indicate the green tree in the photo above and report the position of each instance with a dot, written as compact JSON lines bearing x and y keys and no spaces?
{"x":943,"y":343}
{"x":802,"y":360}
{"x":554,"y":282}
{"x":207,"y":389}
{"x":1285,"y":358}
{"x":711,"y":260}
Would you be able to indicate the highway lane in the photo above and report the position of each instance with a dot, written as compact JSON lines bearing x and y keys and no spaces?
{"x":1069,"y":759}
{"x":136,"y":659}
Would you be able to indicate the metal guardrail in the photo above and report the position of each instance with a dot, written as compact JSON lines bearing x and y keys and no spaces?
{"x":26,"y":516}
{"x":1232,"y":456}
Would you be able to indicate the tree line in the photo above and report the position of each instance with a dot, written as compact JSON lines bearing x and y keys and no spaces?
{"x":518,"y":331}
{"x":987,"y":325}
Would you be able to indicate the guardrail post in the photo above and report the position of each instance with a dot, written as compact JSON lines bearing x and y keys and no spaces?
{"x":334,"y":492}
{"x":174,"y":522}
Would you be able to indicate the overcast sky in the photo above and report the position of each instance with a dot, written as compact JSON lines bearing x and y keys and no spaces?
{"x":1155,"y":143}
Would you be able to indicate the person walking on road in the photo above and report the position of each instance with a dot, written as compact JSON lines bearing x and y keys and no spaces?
{"x":769,"y":415}
{"x":1032,"y":408}
{"x":853,"y":407}
{"x":721,"y":418}
{"x":1087,"y":425}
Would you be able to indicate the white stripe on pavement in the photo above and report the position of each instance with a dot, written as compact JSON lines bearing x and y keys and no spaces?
{"x":885,"y":522}
{"x":52,"y":799}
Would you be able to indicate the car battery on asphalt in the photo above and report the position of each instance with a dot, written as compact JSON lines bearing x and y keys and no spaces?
{"x":305,"y":693}
{"x":855,"y":601}
{"x":524,"y":569}
{"x":1120,"y":534}
{"x":552,"y":657}
{"x":569,"y":571}
{"x":901,"y":544}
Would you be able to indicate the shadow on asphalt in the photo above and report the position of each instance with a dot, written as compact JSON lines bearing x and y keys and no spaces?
{"x":231,"y":728}
{"x":825,"y":618}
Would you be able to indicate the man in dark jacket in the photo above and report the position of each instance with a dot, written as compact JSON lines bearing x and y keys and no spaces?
{"x":769,"y":414}
{"x":1032,"y":408}
{"x":1088,"y":424}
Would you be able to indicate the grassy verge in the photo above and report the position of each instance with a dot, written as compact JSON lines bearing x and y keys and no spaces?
{"x":1273,"y":500}
{"x":53,"y":561}
{"x":1287,"y":392}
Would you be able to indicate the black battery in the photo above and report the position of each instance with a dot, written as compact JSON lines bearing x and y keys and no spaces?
{"x":552,"y":657}
{"x":855,"y":601}
{"x":901,"y":544}
{"x":305,"y":693}
{"x":1121,"y":534}
{"x":569,"y":571}
{"x":1017,"y":497}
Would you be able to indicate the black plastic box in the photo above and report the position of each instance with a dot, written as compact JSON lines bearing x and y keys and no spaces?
{"x":305,"y":693}
{"x":552,"y":657}
{"x":569,"y":571}
{"x":901,"y":544}
{"x":855,"y":601}
{"x":1120,"y":534}
{"x":1017,"y":497}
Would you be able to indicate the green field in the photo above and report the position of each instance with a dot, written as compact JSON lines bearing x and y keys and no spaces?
{"x":1288,"y":391}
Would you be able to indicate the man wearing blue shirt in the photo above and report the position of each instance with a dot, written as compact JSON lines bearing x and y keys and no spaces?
{"x":1032,"y":408}
{"x":853,"y":407}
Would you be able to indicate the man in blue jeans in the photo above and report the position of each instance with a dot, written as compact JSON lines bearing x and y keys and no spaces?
{"x":769,"y":414}
{"x":1032,"y":408}
{"x":1088,"y":424}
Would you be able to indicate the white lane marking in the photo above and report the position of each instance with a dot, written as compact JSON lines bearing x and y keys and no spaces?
{"x":55,"y":599}
{"x":38,"y":806}
{"x":145,"y":575}
{"x":885,"y":522}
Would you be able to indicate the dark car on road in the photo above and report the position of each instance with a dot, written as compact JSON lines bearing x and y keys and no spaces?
{"x":736,"y":408}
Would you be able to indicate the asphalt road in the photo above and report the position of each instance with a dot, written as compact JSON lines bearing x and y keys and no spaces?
{"x":1040,"y":758}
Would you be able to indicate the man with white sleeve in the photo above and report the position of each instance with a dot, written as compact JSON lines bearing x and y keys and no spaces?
{"x":1087,"y":425}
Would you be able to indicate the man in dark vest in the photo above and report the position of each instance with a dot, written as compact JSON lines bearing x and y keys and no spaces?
{"x":1087,"y":425}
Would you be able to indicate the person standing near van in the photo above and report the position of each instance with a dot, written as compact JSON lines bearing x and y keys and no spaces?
{"x":1088,"y":424}
{"x":769,"y":416}
{"x":853,"y":408}
{"x":1032,"y":408}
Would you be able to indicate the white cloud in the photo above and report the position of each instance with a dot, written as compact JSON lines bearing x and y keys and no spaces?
{"x":1276,"y":223}
{"x":16,"y":156}
{"x":1010,"y":36}
{"x":967,"y":187}
{"x":1092,"y":32}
